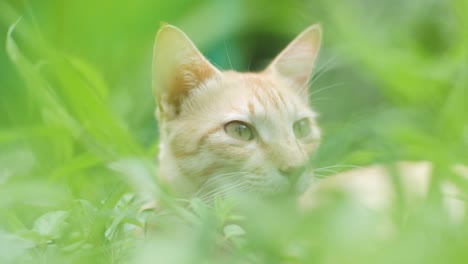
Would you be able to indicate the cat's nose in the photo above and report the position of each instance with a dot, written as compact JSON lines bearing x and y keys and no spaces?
{"x":293,"y":172}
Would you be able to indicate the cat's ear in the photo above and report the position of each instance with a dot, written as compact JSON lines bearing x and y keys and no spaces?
{"x":296,"y":62}
{"x":178,"y":68}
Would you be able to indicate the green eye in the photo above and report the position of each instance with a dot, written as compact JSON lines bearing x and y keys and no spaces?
{"x":239,"y":130}
{"x":301,"y":128}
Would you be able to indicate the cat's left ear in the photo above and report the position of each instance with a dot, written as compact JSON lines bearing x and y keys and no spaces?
{"x":296,"y":62}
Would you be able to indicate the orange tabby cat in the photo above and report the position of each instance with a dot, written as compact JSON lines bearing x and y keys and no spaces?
{"x":230,"y":131}
{"x":225,"y":131}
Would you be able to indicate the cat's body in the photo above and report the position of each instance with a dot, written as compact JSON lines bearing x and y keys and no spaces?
{"x":228,"y":131}
{"x":380,"y":188}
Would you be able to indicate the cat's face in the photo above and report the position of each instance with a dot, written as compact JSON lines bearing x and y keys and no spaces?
{"x":228,"y":131}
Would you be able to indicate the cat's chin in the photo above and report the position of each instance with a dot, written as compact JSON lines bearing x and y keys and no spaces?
{"x":277,"y":185}
{"x":280,"y":189}
{"x":285,"y":190}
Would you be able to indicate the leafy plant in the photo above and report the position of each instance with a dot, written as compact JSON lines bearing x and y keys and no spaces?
{"x":78,"y":138}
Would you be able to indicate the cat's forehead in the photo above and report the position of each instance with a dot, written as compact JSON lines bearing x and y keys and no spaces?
{"x":268,"y":104}
{"x":251,"y":97}
{"x":262,"y":96}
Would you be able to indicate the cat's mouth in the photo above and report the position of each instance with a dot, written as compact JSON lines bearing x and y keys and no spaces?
{"x":264,"y":185}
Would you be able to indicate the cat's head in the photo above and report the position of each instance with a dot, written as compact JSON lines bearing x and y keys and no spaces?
{"x":224,"y":131}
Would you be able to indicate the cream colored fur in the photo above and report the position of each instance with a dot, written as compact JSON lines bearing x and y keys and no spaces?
{"x":196,"y":100}
{"x":197,"y":156}
{"x":374,"y":188}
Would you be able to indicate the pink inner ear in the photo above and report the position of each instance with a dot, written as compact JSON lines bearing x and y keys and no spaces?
{"x":296,"y":61}
{"x":188,"y":76}
{"x":178,"y":67}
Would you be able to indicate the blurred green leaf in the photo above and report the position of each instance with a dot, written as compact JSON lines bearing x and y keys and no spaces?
{"x":78,"y":133}
{"x":12,"y":247}
{"x":50,"y":224}
{"x":232,"y":231}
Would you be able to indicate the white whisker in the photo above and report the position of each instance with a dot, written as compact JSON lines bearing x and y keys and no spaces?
{"x":320,"y":99}
{"x":340,"y":166}
{"x":323,"y":69}
{"x":217,"y":179}
{"x":208,"y":197}
{"x":227,"y":53}
{"x":218,"y":190}
{"x":325,"y":88}
{"x":328,"y":170}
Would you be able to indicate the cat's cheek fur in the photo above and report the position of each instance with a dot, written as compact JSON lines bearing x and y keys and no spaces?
{"x":195,"y":101}
{"x":246,"y":158}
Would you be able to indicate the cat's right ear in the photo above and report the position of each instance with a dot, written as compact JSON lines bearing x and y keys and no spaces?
{"x":178,"y":68}
{"x":296,"y":62}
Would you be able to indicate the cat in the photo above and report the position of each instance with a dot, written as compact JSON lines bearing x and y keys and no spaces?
{"x":373,"y":187}
{"x":226,"y":131}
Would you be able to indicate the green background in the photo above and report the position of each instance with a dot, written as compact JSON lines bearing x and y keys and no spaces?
{"x":78,"y":136}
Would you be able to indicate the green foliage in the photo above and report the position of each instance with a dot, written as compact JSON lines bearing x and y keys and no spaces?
{"x":78,"y":138}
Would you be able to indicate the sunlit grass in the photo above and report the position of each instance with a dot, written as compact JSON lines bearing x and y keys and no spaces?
{"x":78,"y":140}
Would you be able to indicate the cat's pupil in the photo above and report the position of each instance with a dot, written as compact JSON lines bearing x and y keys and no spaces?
{"x":239,"y":130}
{"x":301,"y":128}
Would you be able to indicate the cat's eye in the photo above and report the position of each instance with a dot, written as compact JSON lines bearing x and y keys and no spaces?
{"x":239,"y":130}
{"x":301,"y":128}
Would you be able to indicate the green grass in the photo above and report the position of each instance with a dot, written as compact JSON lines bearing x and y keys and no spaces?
{"x":78,"y":139}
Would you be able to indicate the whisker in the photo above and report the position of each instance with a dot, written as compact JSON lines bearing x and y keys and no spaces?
{"x":240,"y":188}
{"x":208,"y":197}
{"x":218,"y":178}
{"x":329,"y":171}
{"x":317,"y":74}
{"x":340,"y":166}
{"x":221,"y":176}
{"x":319,"y":176}
{"x":326,"y":64}
{"x":250,"y":61}
{"x":320,"y":99}
{"x":227,"y":53}
{"x":326,"y":88}
{"x":323,"y":69}
{"x":216,"y":191}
